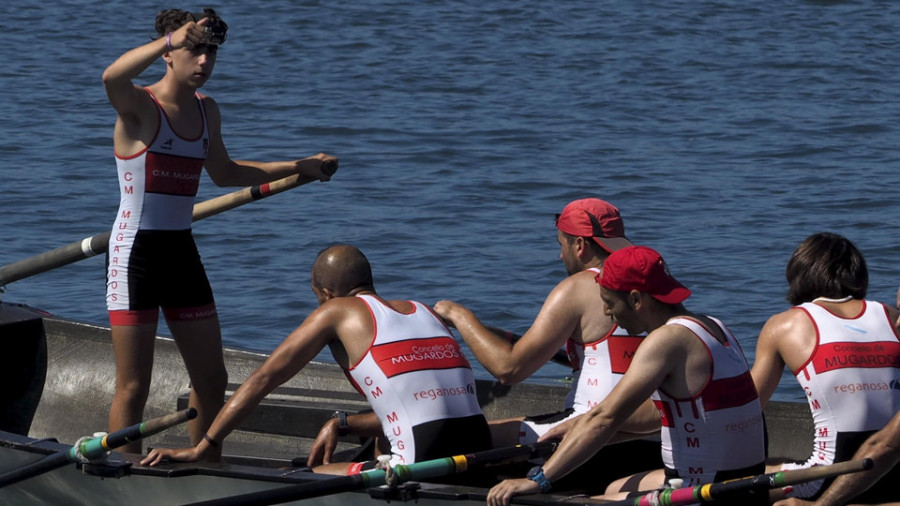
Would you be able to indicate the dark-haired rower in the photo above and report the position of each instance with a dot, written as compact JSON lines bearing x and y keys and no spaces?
{"x":165,"y":134}
{"x":844,"y":351}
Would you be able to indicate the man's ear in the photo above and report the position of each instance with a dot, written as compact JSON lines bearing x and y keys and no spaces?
{"x":634,"y":299}
{"x":582,"y":248}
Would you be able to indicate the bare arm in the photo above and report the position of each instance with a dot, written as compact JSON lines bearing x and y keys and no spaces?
{"x":117,"y":78}
{"x":768,"y":364}
{"x":366,"y":425}
{"x":512,"y":363}
{"x":301,"y":346}
{"x":227,"y":172}
{"x":597,"y":427}
{"x":643,"y":422}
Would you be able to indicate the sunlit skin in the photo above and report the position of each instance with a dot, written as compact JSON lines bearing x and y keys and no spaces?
{"x":568,"y":253}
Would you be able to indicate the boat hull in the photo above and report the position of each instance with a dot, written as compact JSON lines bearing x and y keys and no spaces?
{"x":70,"y":385}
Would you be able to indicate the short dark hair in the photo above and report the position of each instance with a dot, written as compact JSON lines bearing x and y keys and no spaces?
{"x":169,"y":20}
{"x":592,"y":244}
{"x":826,"y":265}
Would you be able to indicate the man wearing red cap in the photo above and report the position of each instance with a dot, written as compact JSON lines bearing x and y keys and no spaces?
{"x":588,"y":230}
{"x":693,"y":369}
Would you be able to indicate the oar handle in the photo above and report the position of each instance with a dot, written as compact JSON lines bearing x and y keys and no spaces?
{"x":794,"y":476}
{"x":235,"y":199}
{"x":97,"y":446}
{"x":146,"y":429}
{"x":97,"y":244}
{"x":742,"y":487}
{"x":402,"y":473}
{"x":765,"y":482}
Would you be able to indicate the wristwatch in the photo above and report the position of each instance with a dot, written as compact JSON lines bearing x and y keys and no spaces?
{"x":343,"y":427}
{"x":536,"y":474}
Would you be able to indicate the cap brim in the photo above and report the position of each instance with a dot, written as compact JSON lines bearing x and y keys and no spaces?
{"x":611,"y":244}
{"x":676,"y":296}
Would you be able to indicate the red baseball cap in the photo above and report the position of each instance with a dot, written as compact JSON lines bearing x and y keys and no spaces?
{"x":596,"y":219}
{"x":643,"y":269}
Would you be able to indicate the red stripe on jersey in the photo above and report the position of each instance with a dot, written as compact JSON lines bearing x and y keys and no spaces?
{"x":172,"y":175}
{"x":621,"y":351}
{"x":665,"y":413}
{"x":729,"y":392}
{"x":831,"y":356}
{"x":418,"y":354}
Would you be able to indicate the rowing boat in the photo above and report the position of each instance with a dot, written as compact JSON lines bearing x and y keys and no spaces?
{"x":61,"y":375}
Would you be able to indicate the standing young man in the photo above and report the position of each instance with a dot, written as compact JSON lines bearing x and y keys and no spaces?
{"x":698,"y":378}
{"x":165,"y":134}
{"x":844,"y":351}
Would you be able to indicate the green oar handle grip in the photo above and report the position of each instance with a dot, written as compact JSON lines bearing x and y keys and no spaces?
{"x":96,"y":447}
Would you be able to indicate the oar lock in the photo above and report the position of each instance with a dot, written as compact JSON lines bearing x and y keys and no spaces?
{"x":80,"y":448}
{"x":384,"y":463}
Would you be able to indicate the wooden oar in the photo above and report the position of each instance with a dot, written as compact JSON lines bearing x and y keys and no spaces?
{"x":761,"y":484}
{"x":402,"y":473}
{"x":91,"y":448}
{"x":97,"y":244}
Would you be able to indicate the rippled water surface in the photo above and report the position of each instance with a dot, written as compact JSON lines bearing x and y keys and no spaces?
{"x":726,"y":132}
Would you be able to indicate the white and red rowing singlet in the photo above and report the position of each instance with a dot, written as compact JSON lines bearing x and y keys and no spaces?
{"x":597,"y":366}
{"x":720,"y":429}
{"x":157,"y":188}
{"x":852,"y":379}
{"x":418,"y":381}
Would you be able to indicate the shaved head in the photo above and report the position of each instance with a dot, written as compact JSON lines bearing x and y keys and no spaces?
{"x":343,"y":270}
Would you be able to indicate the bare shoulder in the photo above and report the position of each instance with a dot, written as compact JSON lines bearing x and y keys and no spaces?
{"x":790,"y":335}
{"x":578,"y":290}
{"x":209,"y":102}
{"x":669,"y":341}
{"x":793,"y":324}
{"x":213,"y":115}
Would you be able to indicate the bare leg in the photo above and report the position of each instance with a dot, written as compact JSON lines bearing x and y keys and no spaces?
{"x":200,"y":344}
{"x":648,"y":480}
{"x":133,"y":350}
{"x":339,"y":468}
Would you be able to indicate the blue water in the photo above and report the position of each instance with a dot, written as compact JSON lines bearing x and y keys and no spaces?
{"x":726,"y":131}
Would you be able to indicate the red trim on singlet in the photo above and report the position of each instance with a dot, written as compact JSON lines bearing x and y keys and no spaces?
{"x":815,"y":345}
{"x":665,"y":413}
{"x":729,"y":392}
{"x":172,"y":126}
{"x":418,"y":354}
{"x":621,"y":352}
{"x":132,"y":317}
{"x":371,"y":341}
{"x":123,"y":317}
